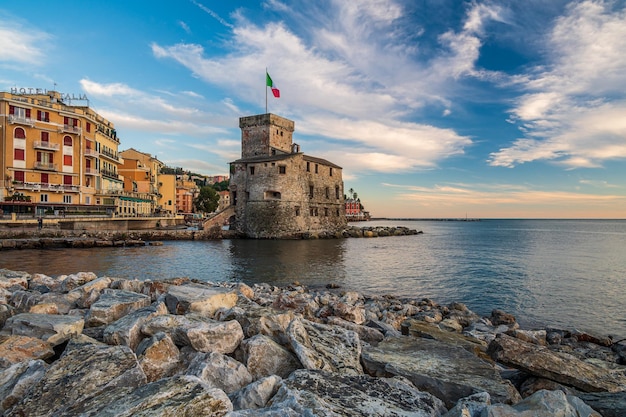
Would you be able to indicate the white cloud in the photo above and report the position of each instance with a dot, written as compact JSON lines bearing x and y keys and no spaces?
{"x":574,"y":108}
{"x":22,"y":45}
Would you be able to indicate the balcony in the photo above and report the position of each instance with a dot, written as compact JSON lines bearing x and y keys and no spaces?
{"x":91,"y":171}
{"x":46,"y":166}
{"x":71,"y":129}
{"x":91,"y":153}
{"x":21,"y":120}
{"x":46,"y":145}
{"x":43,"y":186}
{"x":110,"y":155}
{"x":109,"y":174}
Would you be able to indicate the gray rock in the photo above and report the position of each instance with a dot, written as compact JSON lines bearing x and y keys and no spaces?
{"x":73,"y":281}
{"x":127,"y":330}
{"x":90,"y":291}
{"x":201,"y":333}
{"x":265,"y":357}
{"x":199,"y":299}
{"x":561,"y":367}
{"x":317,"y":393}
{"x":177,"y":396}
{"x":448,"y":372}
{"x":255,"y":319}
{"x":366,"y":334}
{"x":64,"y":302}
{"x":11,"y":279}
{"x":471,"y":406}
{"x":255,"y":395}
{"x":543,"y":404}
{"x":158,"y":356}
{"x":52,"y":328}
{"x":114,"y":304}
{"x":610,"y":404}
{"x":325,"y":347}
{"x":85,"y":370}
{"x":44,"y":283}
{"x":220,"y":371}
{"x":16,"y":380}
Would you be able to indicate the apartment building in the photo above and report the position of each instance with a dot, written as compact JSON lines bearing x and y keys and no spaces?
{"x":56,"y":156}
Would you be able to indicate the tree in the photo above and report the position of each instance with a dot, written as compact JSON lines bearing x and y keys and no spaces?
{"x":351,"y":192}
{"x":207,"y":199}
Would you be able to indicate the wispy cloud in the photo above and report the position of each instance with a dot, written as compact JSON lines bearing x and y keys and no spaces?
{"x":22,"y":45}
{"x":212,"y":14}
{"x":184,"y":26}
{"x":572,"y":111}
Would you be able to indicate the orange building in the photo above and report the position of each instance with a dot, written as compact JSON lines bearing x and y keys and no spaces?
{"x":56,"y":156}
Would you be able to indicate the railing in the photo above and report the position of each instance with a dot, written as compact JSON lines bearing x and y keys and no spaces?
{"x":43,"y":186}
{"x":91,"y":171}
{"x":45,"y":166}
{"x":110,"y":174}
{"x":46,"y":145}
{"x":21,"y":120}
{"x":110,"y":155}
{"x":91,"y":152}
{"x":71,"y":129}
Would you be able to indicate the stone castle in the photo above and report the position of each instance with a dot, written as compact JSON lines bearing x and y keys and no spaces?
{"x":278,"y":191}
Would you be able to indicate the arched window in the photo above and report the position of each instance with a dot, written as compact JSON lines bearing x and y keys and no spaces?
{"x":19,"y":133}
{"x":67,"y":141}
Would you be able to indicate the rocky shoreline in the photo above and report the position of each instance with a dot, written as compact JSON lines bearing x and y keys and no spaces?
{"x":47,"y":239}
{"x":85,"y":345}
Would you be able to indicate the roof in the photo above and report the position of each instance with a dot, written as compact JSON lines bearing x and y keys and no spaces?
{"x":282,"y":157}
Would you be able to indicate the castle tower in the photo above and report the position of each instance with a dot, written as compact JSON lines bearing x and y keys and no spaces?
{"x":265,"y":135}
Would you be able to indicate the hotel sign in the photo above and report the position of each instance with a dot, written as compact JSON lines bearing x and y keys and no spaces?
{"x":41,"y":91}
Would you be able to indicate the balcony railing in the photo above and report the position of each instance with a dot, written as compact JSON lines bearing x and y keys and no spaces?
{"x":46,"y":145}
{"x":91,"y":171}
{"x":71,"y":129}
{"x":46,"y":166}
{"x":21,"y":120}
{"x":109,"y":155}
{"x":43,"y":186}
{"x":110,"y":174}
{"x":91,"y":152}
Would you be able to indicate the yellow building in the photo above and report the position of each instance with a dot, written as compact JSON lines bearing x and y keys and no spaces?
{"x":141,"y":173}
{"x":56,"y":156}
{"x":167,"y":190}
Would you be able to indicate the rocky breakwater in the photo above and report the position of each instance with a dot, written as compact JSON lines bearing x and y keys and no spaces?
{"x":93,"y":346}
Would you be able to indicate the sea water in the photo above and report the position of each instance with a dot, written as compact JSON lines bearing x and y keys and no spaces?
{"x":562,"y":273}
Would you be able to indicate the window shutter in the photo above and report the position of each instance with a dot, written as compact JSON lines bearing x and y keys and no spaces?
{"x":11,"y":109}
{"x":39,"y":115}
{"x":67,"y":179}
{"x":50,"y":157}
{"x":38,"y":156}
{"x":28,"y":113}
{"x":45,"y":136}
{"x":66,"y":120}
{"x":44,"y":178}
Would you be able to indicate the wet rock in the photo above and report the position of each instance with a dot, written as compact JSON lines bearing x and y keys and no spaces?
{"x":183,"y":395}
{"x":220,"y":371}
{"x":499,"y":317}
{"x":448,"y":372}
{"x":158,"y":356}
{"x":325,"y":347}
{"x":198,"y":299}
{"x":54,"y":329}
{"x":201,"y":333}
{"x":308,"y":392}
{"x":558,"y":366}
{"x":17,"y":379}
{"x":114,"y":304}
{"x":15,"y":349}
{"x":264,"y":357}
{"x":85,"y":370}
{"x":127,"y":330}
{"x":255,"y":395}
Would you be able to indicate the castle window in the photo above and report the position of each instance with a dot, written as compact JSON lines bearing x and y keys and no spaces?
{"x":310,"y":191}
{"x":337,"y":192}
{"x":326,"y":212}
{"x":282,"y":169}
{"x":234,"y":198}
{"x":297,"y":211}
{"x":331,"y":171}
{"x":272,"y":195}
{"x":251,"y":170}
{"x":316,"y":168}
{"x":327,"y":192}
{"x":337,"y":212}
{"x":308,"y":167}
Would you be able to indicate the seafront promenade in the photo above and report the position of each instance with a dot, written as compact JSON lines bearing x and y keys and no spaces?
{"x":183,"y":347}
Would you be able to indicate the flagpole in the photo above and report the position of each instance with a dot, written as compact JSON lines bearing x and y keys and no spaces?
{"x":265,"y":90}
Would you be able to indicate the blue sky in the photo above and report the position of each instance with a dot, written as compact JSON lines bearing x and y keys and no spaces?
{"x":434,"y":108}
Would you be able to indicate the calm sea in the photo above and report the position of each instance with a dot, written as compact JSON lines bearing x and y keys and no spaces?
{"x":564,"y":273}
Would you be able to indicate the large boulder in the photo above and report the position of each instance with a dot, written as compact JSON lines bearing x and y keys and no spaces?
{"x":14,"y":279}
{"x":15,"y":349}
{"x":182,"y":395}
{"x":255,"y":319}
{"x":16,"y":380}
{"x":199,"y":299}
{"x":114,"y":304}
{"x":544,"y":404}
{"x":220,"y":371}
{"x":199,"y":332}
{"x":325,"y":347}
{"x":158,"y":356}
{"x":52,"y":328}
{"x":127,"y":330}
{"x":265,"y":357}
{"x":317,"y":393}
{"x":255,"y":395}
{"x":90,"y":291}
{"x":557,"y":366}
{"x":446,"y":371}
{"x":85,"y":370}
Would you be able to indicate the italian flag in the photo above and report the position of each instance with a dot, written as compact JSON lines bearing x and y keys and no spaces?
{"x":270,"y":84}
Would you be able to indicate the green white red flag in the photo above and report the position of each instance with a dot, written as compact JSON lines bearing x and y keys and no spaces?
{"x":270,"y":84}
